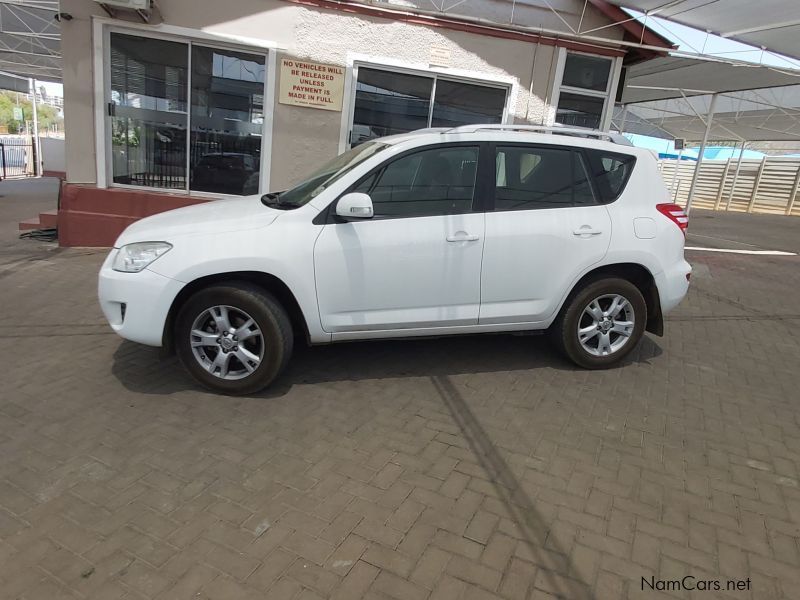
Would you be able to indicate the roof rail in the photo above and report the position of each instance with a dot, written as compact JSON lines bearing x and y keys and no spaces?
{"x":556,"y":130}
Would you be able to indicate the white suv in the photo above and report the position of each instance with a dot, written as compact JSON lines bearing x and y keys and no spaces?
{"x":436,"y":232}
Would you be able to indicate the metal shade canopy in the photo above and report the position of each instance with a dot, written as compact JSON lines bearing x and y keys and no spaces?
{"x":669,"y":97}
{"x":770,"y":24}
{"x":30,"y":39}
{"x":710,"y":99}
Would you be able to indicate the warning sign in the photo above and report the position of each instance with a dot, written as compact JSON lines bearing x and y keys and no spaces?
{"x":311,"y":84}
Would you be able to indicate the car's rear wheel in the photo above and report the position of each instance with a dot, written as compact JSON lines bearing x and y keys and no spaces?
{"x":601,"y":324}
{"x":233,"y":338}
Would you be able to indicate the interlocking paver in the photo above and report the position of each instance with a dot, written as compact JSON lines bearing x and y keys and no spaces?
{"x":458,"y":468}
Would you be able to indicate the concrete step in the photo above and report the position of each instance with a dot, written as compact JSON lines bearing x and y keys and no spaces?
{"x":46,"y":220}
{"x":30,"y":224}
{"x":49,"y":219}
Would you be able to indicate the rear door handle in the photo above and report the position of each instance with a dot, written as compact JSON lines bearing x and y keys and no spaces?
{"x":462,"y":236}
{"x":586,"y":231}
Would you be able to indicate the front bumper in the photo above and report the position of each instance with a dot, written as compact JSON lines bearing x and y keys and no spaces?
{"x":136,"y":305}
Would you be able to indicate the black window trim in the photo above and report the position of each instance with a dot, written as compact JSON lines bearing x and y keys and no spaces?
{"x":484,"y":186}
{"x":491,"y":197}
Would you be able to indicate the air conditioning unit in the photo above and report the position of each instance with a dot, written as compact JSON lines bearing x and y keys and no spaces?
{"x":129,"y":4}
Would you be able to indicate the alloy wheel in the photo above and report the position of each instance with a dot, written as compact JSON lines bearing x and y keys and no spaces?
{"x":227,"y":342}
{"x":606,"y":324}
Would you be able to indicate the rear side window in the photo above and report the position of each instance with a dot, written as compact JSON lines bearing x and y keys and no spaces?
{"x":528,"y":178}
{"x":611,"y":172}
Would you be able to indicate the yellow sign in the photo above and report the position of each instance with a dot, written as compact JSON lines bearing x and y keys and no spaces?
{"x":311,"y":84}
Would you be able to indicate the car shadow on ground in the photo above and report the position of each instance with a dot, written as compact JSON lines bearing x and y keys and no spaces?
{"x":557,"y":573}
{"x":143,"y":370}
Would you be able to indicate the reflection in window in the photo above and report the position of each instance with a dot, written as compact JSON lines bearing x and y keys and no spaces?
{"x":610,"y":172}
{"x":388,"y":103}
{"x":533,"y":178}
{"x":153,"y":129}
{"x":148,"y":73}
{"x":438,"y":181}
{"x":580,"y":111}
{"x":465,"y":104}
{"x":148,"y":124}
{"x":226,"y":120}
{"x":584,"y":90}
{"x":586,"y":72}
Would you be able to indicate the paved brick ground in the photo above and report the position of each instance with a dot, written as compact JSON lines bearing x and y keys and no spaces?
{"x":463,"y":468}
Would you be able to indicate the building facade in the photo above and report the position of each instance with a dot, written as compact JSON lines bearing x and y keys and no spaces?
{"x":210,"y":99}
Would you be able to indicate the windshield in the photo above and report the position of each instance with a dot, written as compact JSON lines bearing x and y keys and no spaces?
{"x":314,"y":185}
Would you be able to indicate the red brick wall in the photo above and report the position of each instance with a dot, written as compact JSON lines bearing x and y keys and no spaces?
{"x":91,"y":216}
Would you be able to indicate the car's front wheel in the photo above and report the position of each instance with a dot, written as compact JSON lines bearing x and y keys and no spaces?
{"x":601,"y":324}
{"x":233,"y":338}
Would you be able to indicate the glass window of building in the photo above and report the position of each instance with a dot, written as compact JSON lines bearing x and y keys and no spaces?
{"x":584,"y":90}
{"x":390,"y":102}
{"x":182,"y":128}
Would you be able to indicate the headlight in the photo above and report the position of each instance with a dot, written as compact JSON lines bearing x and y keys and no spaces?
{"x":135,"y":257}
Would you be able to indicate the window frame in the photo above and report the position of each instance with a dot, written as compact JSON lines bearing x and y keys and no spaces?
{"x":492,"y":197}
{"x":327,"y":216}
{"x":102,"y":30}
{"x":615,"y":67}
{"x":351,"y":83}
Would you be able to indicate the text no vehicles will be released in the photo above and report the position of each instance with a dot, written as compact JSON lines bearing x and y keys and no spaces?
{"x":311,"y":84}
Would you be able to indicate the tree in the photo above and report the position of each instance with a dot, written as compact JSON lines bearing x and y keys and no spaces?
{"x":8,"y":100}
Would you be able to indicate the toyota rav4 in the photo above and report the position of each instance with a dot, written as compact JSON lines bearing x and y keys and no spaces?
{"x":435,"y":232}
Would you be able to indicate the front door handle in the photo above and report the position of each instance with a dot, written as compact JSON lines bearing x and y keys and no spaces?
{"x":586,"y":231}
{"x":462,"y":236}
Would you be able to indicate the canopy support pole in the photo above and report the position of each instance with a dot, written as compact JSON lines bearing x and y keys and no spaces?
{"x":37,"y":147}
{"x":709,"y":121}
{"x":735,"y":175}
{"x":622,"y":120}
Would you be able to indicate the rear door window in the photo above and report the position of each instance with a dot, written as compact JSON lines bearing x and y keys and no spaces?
{"x":530,"y":177}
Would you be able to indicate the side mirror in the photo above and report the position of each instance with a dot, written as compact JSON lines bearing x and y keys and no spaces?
{"x":354,"y":205}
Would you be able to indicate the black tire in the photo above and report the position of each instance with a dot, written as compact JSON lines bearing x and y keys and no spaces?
{"x":564,"y":331}
{"x":269,"y":316}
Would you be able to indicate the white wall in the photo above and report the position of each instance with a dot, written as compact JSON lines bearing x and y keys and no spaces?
{"x":53,"y":154}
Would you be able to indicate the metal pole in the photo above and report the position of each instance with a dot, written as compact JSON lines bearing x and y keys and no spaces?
{"x":675,"y":174}
{"x":37,"y":148}
{"x":757,"y":184}
{"x":622,"y":120}
{"x":736,"y":175}
{"x":709,"y":121}
{"x":722,"y":181}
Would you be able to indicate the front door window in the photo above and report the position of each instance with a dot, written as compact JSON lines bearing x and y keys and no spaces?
{"x":438,"y":181}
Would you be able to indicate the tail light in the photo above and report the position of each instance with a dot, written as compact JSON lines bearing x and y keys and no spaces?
{"x":675,"y":214}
